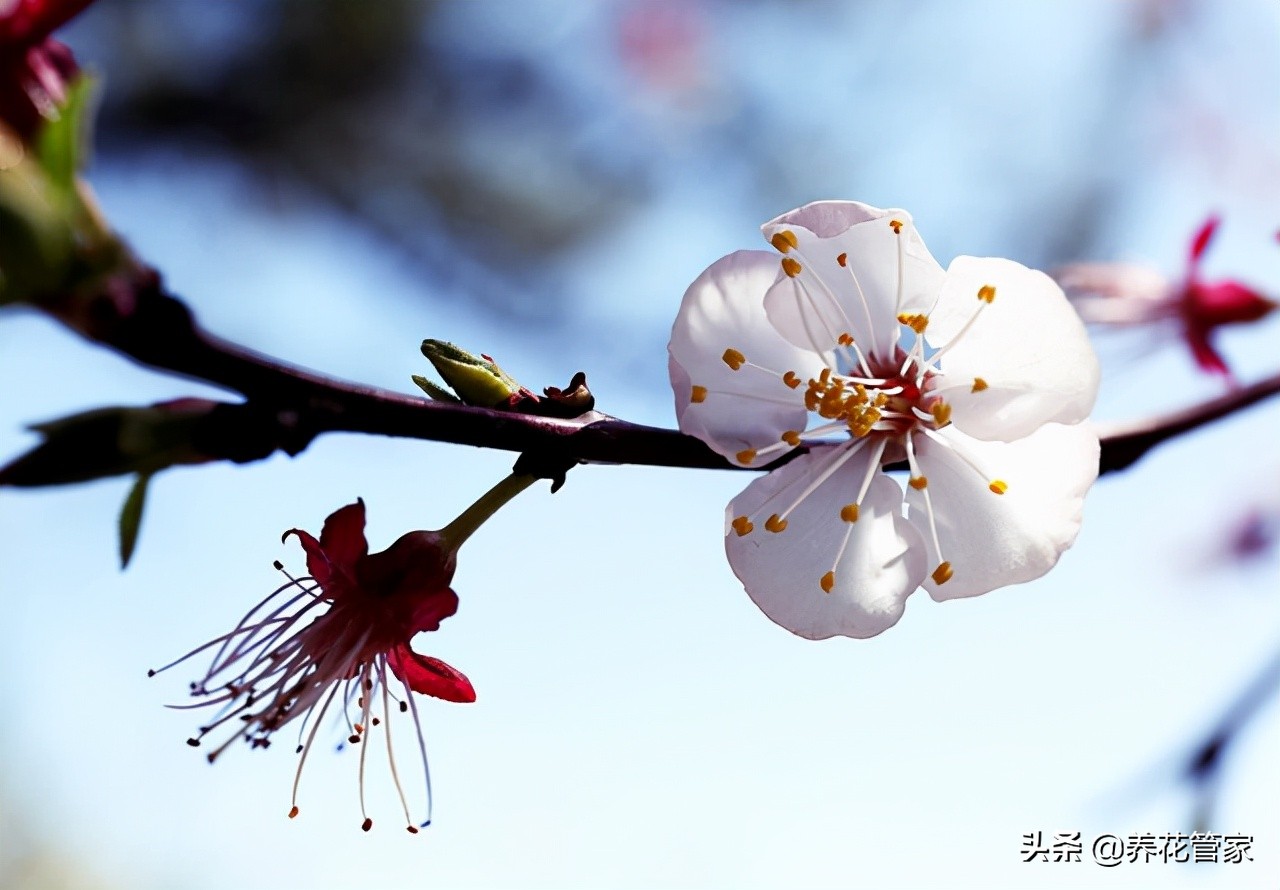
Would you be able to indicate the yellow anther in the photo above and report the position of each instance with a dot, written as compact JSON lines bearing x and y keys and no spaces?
{"x":828,"y":581}
{"x":783,"y":241}
{"x":846,"y":339}
{"x":843,"y":259}
{"x":896,"y":225}
{"x":881,"y":400}
{"x":849,"y":512}
{"x":746,"y":455}
{"x":978,"y":384}
{"x":733,"y":358}
{"x":699,"y":394}
{"x":790,"y":266}
{"x":998,"y":486}
{"x":919,"y":483}
{"x":825,"y":376}
{"x":941,"y":412}
{"x":791,"y":379}
{"x":791,"y":437}
{"x":942,"y":574}
{"x":916,"y":322}
{"x":742,"y":525}
{"x":775,"y":523}
{"x":987,"y":293}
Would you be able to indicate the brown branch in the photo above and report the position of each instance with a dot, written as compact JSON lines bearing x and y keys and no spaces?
{"x":289,"y":406}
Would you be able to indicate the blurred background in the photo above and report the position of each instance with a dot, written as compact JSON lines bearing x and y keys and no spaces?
{"x":332,"y":181}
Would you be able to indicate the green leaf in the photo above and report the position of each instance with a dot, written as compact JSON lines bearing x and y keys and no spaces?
{"x":131,"y":518}
{"x":62,"y":145}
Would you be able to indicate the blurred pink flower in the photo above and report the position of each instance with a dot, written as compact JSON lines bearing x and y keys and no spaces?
{"x":1129,"y":294}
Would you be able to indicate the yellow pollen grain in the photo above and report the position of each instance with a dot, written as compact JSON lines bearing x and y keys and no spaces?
{"x":783,"y":241}
{"x":942,"y":574}
{"x":916,"y":322}
{"x":791,"y":267}
{"x":828,"y":581}
{"x":846,"y":339}
{"x":746,"y":455}
{"x":998,"y":486}
{"x":791,"y":437}
{"x":978,"y":384}
{"x":919,"y":483}
{"x":775,"y":523}
{"x":849,"y":512}
{"x":733,"y":358}
{"x":843,"y":259}
{"x":896,"y":225}
{"x":986,"y":293}
{"x":941,"y":412}
{"x":742,"y":525}
{"x":698,"y":394}
{"x":791,"y":379}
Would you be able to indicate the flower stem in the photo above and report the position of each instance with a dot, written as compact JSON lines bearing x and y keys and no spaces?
{"x":493,"y":500}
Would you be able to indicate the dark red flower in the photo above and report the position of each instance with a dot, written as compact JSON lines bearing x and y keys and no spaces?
{"x":34,"y":68}
{"x":341,"y":634}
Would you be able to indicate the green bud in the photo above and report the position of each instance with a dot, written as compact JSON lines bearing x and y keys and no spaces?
{"x":476,"y":379}
{"x":111,"y":442}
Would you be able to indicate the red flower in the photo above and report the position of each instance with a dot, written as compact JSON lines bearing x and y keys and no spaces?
{"x":34,"y":68}
{"x":1206,"y":306}
{"x":340,"y":634}
{"x":1125,"y":294}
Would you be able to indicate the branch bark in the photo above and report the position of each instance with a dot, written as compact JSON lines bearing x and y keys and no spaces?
{"x":287,"y":406}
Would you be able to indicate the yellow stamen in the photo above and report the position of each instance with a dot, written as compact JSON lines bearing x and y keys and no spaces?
{"x":919,"y":483}
{"x":791,"y":379}
{"x":846,"y":339}
{"x":987,"y":293}
{"x":746,"y":455}
{"x":843,"y":259}
{"x":998,"y":486}
{"x":849,"y":512}
{"x":791,"y":437}
{"x":783,"y":241}
{"x":978,"y":384}
{"x":916,"y":322}
{"x":742,"y":525}
{"x":791,"y":267}
{"x":896,"y":225}
{"x":942,"y":574}
{"x":733,"y":358}
{"x":828,"y":581}
{"x":941,"y":412}
{"x":699,"y":394}
{"x":775,"y":523}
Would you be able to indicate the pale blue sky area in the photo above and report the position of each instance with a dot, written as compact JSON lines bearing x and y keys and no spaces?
{"x":639,"y":722}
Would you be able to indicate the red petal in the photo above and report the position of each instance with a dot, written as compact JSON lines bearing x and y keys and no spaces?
{"x":1201,"y":241}
{"x":340,"y":547}
{"x":1205,"y":355}
{"x":317,"y":562}
{"x":430,"y":676}
{"x":429,"y":611}
{"x":343,"y":537}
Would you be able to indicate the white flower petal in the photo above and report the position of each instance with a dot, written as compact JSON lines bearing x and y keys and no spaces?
{"x":992,"y":540}
{"x":1025,"y":360}
{"x":748,"y":408}
{"x":877,"y":561}
{"x":859,"y":268}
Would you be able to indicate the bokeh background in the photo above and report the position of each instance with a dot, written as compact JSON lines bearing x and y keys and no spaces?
{"x":332,"y":181}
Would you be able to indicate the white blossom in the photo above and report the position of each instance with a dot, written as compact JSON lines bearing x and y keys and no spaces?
{"x":851,"y":342}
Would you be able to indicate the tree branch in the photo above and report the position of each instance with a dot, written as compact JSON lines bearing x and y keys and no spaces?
{"x":289,"y":406}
